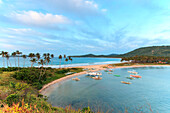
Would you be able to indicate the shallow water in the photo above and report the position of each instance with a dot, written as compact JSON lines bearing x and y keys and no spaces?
{"x":109,"y":94}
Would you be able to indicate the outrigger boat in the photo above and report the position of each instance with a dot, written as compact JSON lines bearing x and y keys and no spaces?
{"x":134,"y":72}
{"x":76,"y":79}
{"x":126,"y":82}
{"x":136,"y":76}
{"x":94,"y":73}
{"x":131,"y":78}
{"x":97,"y":78}
{"x":117,"y":75}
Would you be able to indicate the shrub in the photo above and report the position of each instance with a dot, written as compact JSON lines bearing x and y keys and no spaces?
{"x":12,"y":98}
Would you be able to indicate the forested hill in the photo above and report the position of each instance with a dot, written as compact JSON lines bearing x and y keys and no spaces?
{"x":149,"y":51}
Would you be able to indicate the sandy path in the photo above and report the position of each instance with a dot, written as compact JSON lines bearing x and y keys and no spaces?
{"x":97,"y":68}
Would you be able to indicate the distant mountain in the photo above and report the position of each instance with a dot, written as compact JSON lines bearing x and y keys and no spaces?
{"x":149,"y":51}
{"x":92,"y":55}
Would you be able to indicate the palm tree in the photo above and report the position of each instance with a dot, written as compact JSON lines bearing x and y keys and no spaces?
{"x":14,"y":55}
{"x":52,"y":56}
{"x":38,"y":57}
{"x":7,"y":57}
{"x":18,"y":53}
{"x":24,"y":57}
{"x":33,"y":61}
{"x":48,"y":60}
{"x":66,"y":60}
{"x":45,"y":57}
{"x":60,"y":57}
{"x":3,"y":55}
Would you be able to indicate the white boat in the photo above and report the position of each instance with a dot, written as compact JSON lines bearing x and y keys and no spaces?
{"x":97,"y":78}
{"x":134,"y":72}
{"x":94,"y":73}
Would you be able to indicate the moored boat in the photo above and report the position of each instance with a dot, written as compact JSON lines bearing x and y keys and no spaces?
{"x":76,"y":79}
{"x":136,"y":76}
{"x":131,"y":78}
{"x":117,"y":75}
{"x":94,"y":73}
{"x":97,"y":78}
{"x":134,"y":72}
{"x":126,"y":82}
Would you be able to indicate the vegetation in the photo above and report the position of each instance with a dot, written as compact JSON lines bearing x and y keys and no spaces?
{"x":162,"y":51}
{"x":147,"y":59}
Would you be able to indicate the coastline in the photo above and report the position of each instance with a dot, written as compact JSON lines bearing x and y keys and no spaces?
{"x":97,"y":68}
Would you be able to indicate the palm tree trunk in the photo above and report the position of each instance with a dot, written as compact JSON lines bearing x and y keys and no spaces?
{"x":3,"y":62}
{"x":24,"y":63}
{"x":7,"y":63}
{"x":60,"y":64}
{"x":18,"y":61}
{"x":15,"y":61}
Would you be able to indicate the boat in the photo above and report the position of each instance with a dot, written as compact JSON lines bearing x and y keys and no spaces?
{"x":131,"y":78}
{"x":94,"y":73}
{"x":117,"y":75}
{"x":126,"y":82}
{"x":97,"y":78}
{"x":76,"y":79}
{"x":136,"y":76}
{"x":109,"y":72}
{"x":134,"y":72}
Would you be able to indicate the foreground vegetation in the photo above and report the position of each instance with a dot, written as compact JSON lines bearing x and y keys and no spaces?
{"x":19,"y":91}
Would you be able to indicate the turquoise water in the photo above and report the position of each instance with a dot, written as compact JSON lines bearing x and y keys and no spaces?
{"x":109,"y":94}
{"x":56,"y":62}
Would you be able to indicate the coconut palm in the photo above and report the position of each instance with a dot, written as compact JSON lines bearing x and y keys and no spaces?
{"x":33,"y":61}
{"x":66,"y":60}
{"x":38,"y":57}
{"x":18,"y":53}
{"x":60,"y":57}
{"x":14,"y":55}
{"x":52,"y":56}
{"x":7,"y":57}
{"x":24,"y":57}
{"x":3,"y":55}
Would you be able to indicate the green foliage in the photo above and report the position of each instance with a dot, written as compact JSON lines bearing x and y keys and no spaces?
{"x":12,"y":98}
{"x":149,"y":51}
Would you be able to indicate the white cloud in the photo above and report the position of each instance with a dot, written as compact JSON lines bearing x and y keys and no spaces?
{"x":104,"y":10}
{"x":33,"y":18}
{"x":1,"y":2}
{"x":77,"y":7}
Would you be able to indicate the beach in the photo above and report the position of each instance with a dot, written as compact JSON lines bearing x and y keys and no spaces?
{"x":96,"y":68}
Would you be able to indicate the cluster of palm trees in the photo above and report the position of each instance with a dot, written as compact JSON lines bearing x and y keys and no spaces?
{"x":147,"y":59}
{"x":34,"y":58}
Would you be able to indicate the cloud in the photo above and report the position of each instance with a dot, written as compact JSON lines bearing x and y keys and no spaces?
{"x":1,"y":2}
{"x":33,"y":18}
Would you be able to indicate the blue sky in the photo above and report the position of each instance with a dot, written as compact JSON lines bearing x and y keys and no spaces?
{"x":75,"y":27}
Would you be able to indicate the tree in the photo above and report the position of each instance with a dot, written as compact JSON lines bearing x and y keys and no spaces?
{"x":38,"y":57}
{"x":33,"y":61}
{"x":52,"y":56}
{"x":18,"y":53}
{"x":7,"y":57}
{"x":66,"y":60}
{"x":3,"y":55}
{"x":14,"y":55}
{"x":60,"y":57}
{"x":24,"y":57}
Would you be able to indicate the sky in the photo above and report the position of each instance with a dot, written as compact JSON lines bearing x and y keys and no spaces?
{"x":76,"y":27}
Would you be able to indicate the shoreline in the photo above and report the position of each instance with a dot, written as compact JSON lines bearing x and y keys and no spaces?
{"x":97,"y":68}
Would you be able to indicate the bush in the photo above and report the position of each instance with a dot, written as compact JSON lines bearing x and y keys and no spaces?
{"x":12,"y":98}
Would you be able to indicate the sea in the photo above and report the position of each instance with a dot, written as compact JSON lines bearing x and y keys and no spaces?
{"x":55,"y":62}
{"x":149,"y":94}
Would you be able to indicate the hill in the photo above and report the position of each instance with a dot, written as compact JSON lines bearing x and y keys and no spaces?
{"x":92,"y":55}
{"x":149,"y":51}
